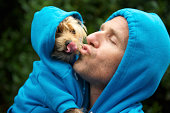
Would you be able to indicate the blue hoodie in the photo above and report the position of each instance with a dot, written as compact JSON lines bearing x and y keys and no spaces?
{"x":142,"y":67}
{"x":52,"y":86}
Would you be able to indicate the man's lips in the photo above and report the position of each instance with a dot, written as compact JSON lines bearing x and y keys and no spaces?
{"x":85,"y":50}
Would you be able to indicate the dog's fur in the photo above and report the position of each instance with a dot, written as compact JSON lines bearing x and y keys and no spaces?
{"x":74,"y":110}
{"x":72,"y":30}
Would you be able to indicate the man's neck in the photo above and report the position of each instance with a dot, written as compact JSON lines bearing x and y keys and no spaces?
{"x":95,"y":92}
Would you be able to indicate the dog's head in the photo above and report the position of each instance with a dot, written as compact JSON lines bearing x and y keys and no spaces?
{"x":68,"y":39}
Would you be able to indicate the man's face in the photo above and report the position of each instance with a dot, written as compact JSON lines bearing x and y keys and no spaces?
{"x":101,"y":56}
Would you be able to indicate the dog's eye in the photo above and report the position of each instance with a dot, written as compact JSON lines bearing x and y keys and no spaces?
{"x":73,"y":31}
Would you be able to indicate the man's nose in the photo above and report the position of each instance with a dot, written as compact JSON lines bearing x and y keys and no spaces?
{"x":94,"y":39}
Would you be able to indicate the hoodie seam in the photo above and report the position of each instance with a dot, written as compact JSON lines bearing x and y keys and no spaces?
{"x":133,"y":37}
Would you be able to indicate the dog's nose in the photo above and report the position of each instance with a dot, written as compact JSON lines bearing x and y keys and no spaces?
{"x":71,"y":47}
{"x":68,"y":42}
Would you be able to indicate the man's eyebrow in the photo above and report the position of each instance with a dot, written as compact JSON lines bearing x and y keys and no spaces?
{"x":111,"y":30}
{"x":114,"y":32}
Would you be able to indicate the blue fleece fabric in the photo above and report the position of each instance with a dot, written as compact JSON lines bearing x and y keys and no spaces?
{"x":143,"y":65}
{"x":52,"y":86}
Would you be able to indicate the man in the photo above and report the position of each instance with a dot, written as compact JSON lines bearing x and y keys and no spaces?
{"x":124,"y":61}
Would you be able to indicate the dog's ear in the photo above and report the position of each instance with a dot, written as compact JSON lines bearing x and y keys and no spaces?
{"x":58,"y":32}
{"x":60,"y":28}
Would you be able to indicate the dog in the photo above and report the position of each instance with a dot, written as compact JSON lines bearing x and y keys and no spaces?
{"x":68,"y":41}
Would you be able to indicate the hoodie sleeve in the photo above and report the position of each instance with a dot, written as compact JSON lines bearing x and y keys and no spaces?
{"x":58,"y":97}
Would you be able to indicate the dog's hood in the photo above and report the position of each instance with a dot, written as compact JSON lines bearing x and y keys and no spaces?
{"x":62,"y":88}
{"x":142,"y":67}
{"x":44,"y":26}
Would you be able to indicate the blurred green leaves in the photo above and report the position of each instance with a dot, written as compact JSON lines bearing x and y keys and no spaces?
{"x":17,"y":54}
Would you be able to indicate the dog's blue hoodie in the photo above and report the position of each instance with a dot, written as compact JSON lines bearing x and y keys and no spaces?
{"x":143,"y":65}
{"x":52,"y":86}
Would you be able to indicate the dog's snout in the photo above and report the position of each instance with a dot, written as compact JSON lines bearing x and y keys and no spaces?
{"x":68,"y":42}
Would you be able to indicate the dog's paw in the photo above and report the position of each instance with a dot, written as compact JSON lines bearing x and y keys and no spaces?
{"x":73,"y":110}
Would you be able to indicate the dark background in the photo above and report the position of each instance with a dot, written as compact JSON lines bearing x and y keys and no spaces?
{"x":17,"y":54}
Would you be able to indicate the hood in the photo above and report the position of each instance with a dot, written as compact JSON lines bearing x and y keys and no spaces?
{"x":44,"y":26}
{"x":142,"y":67}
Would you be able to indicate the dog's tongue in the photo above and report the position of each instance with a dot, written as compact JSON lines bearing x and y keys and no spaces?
{"x":71,"y":47}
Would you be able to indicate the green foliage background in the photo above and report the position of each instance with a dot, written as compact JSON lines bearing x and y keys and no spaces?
{"x":17,"y":55}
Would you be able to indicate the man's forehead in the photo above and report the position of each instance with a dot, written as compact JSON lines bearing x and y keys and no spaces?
{"x":118,"y":20}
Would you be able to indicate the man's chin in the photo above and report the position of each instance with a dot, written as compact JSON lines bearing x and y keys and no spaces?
{"x":77,"y":66}
{"x":79,"y":63}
